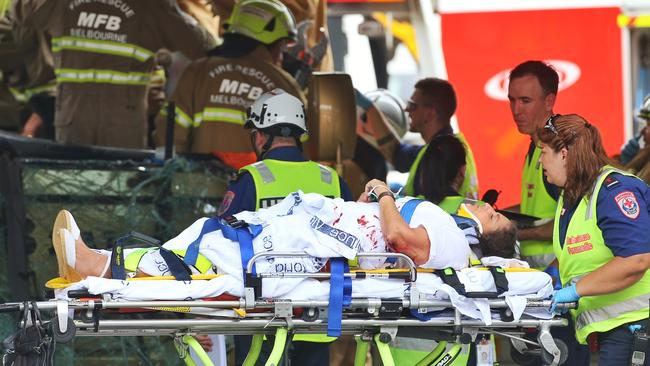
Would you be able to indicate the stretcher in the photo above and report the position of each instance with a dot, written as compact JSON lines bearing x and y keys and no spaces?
{"x":371,"y":319}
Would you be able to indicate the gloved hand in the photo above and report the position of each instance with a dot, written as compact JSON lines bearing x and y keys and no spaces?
{"x":567,"y":294}
{"x":554,"y":272}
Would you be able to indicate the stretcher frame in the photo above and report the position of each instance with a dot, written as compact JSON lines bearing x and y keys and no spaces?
{"x":379,"y":321}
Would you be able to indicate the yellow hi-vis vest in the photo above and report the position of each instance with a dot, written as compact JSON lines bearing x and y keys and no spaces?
{"x":535,"y":201}
{"x":275,"y":179}
{"x":468,"y":189}
{"x":583,"y":252}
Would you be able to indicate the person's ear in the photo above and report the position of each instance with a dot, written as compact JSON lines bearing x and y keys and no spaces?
{"x":564,"y":152}
{"x":549,"y":102}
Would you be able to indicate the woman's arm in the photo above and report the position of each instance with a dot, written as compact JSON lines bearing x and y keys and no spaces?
{"x":413,"y":242}
{"x":618,"y":274}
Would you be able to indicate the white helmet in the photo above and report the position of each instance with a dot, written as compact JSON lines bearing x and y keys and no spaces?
{"x":277,"y":113}
{"x":392,"y":107}
{"x":644,"y":111}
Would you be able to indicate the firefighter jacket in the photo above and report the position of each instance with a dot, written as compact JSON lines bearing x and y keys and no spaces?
{"x":103,"y":56}
{"x":211,"y":101}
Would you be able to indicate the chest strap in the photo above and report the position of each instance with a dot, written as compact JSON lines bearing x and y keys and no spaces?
{"x":450,"y":278}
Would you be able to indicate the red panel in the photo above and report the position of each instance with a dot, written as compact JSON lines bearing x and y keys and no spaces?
{"x":478,"y":46}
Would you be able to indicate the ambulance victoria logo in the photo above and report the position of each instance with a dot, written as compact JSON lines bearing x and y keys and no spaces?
{"x":628,"y":204}
{"x":497,"y":86}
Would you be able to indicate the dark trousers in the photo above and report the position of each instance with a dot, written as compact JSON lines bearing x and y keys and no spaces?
{"x":299,"y":353}
{"x":616,"y":346}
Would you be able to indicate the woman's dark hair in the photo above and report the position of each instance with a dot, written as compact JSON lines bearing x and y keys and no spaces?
{"x":441,"y":164}
{"x":500,"y":243}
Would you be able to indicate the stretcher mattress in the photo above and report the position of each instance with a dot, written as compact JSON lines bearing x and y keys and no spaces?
{"x":523,"y":285}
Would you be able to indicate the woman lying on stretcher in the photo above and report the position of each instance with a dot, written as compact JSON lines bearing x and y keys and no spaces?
{"x":312,"y":224}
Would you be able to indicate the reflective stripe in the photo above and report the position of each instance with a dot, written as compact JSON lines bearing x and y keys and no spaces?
{"x":181,"y":117}
{"x":101,"y":76}
{"x":325,"y":174}
{"x":107,"y":47}
{"x":265,"y":172}
{"x":414,"y":344}
{"x":220,"y":115}
{"x":612,"y":311}
{"x":49,"y":87}
{"x":594,"y":194}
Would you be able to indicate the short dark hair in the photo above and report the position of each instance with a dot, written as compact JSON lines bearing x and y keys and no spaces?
{"x":545,"y":74}
{"x":440,"y":95}
{"x":441,"y":163}
{"x":500,"y":243}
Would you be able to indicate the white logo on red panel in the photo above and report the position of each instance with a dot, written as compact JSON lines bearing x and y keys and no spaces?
{"x":497,"y":86}
{"x":628,"y":204}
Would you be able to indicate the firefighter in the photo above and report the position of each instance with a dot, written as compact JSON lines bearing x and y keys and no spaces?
{"x":103,"y":56}
{"x":275,"y":122}
{"x":214,"y":92}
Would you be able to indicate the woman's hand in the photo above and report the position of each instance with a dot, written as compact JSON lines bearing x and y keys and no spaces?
{"x":374,"y":188}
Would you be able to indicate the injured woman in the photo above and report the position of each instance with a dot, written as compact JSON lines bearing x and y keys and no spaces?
{"x":307,"y":223}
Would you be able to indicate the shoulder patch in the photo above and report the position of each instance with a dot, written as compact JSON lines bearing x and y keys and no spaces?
{"x":226,"y":202}
{"x":610,"y":182}
{"x":627,"y":203}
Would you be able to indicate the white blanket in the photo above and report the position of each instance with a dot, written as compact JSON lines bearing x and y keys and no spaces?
{"x":522,"y":285}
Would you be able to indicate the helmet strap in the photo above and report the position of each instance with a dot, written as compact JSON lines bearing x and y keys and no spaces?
{"x":266,"y":147}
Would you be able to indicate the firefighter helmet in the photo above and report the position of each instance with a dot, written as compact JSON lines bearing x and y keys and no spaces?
{"x":266,"y":21}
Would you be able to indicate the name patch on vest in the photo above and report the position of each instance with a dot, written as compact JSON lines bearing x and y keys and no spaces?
{"x":628,"y":204}
{"x":341,"y":236}
{"x":579,"y":244}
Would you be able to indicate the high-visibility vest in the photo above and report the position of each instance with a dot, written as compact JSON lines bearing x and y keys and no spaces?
{"x":275,"y":179}
{"x":583,"y":252}
{"x":536,"y":201}
{"x":469,"y":188}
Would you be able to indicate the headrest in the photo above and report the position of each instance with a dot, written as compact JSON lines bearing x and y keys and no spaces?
{"x":331,"y":116}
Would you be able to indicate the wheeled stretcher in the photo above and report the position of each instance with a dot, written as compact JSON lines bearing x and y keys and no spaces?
{"x":386,"y":304}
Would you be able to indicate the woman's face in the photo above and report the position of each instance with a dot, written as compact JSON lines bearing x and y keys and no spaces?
{"x":554,"y":164}
{"x":491,"y":220}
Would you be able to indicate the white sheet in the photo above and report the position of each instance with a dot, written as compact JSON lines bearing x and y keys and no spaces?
{"x":522,"y":285}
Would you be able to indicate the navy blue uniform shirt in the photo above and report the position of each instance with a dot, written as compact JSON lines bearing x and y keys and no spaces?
{"x":241,"y":194}
{"x":623,"y":212}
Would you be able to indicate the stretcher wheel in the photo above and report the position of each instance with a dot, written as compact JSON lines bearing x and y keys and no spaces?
{"x":66,"y":336}
{"x":564,"y":353}
{"x":310,"y":314}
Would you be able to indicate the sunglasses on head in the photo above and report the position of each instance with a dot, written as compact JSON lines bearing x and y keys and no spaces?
{"x":550,"y":124}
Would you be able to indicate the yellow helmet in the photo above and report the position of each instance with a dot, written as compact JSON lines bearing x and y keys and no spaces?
{"x":266,"y":21}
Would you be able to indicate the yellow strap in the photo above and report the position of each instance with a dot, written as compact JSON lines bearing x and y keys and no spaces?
{"x":314,"y":338}
{"x":202,"y":264}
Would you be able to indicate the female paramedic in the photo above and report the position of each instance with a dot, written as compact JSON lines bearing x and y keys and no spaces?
{"x":601,"y":236}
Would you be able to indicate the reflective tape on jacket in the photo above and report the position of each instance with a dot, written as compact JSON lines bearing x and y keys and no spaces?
{"x":106,"y":47}
{"x":101,"y":76}
{"x":226,"y":115}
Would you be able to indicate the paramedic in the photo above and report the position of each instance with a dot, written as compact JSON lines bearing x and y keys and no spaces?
{"x":600,"y":236}
{"x":276,"y":121}
{"x":430,"y":109}
{"x":214,"y":92}
{"x":103,"y":56}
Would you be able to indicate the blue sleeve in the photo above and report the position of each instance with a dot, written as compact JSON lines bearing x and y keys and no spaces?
{"x":346,"y":193}
{"x":624,"y":216}
{"x":240,"y":196}
{"x":404,"y":156}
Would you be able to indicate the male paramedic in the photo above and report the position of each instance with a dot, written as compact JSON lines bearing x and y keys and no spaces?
{"x":532,"y":92}
{"x":276,"y":122}
{"x":430,"y":109}
{"x":214,"y":92}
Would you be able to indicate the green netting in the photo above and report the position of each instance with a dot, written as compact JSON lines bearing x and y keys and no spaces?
{"x":109,"y":199}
